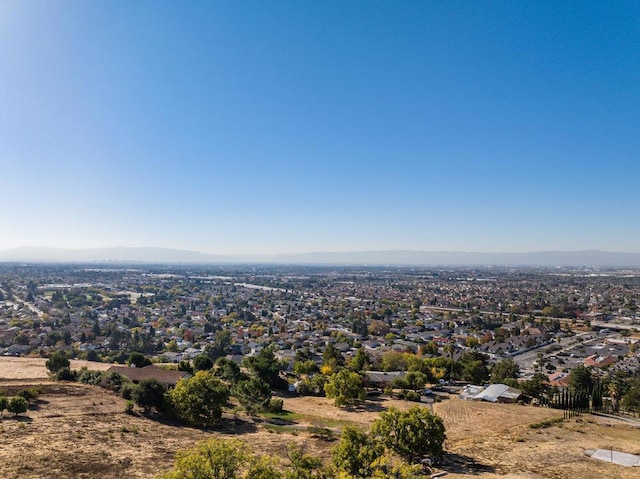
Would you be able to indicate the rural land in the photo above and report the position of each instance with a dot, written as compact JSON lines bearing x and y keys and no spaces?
{"x":119,"y":370}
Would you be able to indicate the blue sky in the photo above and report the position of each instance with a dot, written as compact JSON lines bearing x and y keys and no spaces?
{"x":297,"y":126}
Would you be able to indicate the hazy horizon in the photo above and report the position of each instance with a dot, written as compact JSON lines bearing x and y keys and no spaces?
{"x":363,"y":258}
{"x":238,"y":128}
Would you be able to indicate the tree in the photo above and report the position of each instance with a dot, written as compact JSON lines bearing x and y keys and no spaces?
{"x":631,"y":400}
{"x":229,"y":371}
{"x":346,"y":388}
{"x":536,"y":387}
{"x":305,"y":367}
{"x":616,"y":390}
{"x":506,"y":368}
{"x":57,"y":361}
{"x":304,"y":466}
{"x":411,"y":433}
{"x":198,"y":400}
{"x":393,"y":361}
{"x":332,"y":356}
{"x":3,"y":405}
{"x":17,"y":405}
{"x":580,"y":379}
{"x":360,"y":361}
{"x":211,"y":459}
{"x":263,"y":467}
{"x":413,"y":380}
{"x":138,"y":360}
{"x":253,"y":394}
{"x":357,"y":452}
{"x":266,"y":367}
{"x":221,"y":345}
{"x":202,"y":363}
{"x":474,"y":367}
{"x":149,"y":393}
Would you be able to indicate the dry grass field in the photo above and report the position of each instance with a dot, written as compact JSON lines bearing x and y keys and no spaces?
{"x":81,"y":431}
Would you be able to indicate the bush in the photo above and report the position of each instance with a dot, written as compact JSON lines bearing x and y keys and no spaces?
{"x":17,"y":405}
{"x":129,"y":407}
{"x":412,"y":396}
{"x":30,"y":394}
{"x":275,"y":405}
{"x":113,"y":381}
{"x":149,"y":393}
{"x":65,"y":374}
{"x":90,"y":377}
{"x":215,"y":458}
{"x":126,"y":390}
{"x":57,"y":361}
{"x":138,"y":360}
{"x":412,"y":433}
{"x":199,"y":399}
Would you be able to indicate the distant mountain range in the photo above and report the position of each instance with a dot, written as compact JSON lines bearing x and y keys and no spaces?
{"x":399,"y":257}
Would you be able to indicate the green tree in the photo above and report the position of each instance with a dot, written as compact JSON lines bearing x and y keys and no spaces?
{"x":198,"y":400}
{"x":631,"y":399}
{"x":345,"y":388}
{"x":360,"y":361}
{"x":221,"y":345}
{"x":304,"y":466}
{"x":211,"y":459}
{"x":202,"y":363}
{"x":263,"y":467}
{"x":331,"y":353}
{"x":474,"y":367}
{"x":229,"y":371}
{"x":411,"y":433}
{"x":149,"y":393}
{"x":185,"y":365}
{"x":57,"y":361}
{"x":17,"y":405}
{"x":357,"y":453}
{"x":413,"y":380}
{"x":3,"y":405}
{"x":393,"y":361}
{"x":580,"y":379}
{"x":266,"y":367}
{"x":536,"y":387}
{"x":305,"y":367}
{"x":138,"y":360}
{"x":503,"y":369}
{"x":253,"y":394}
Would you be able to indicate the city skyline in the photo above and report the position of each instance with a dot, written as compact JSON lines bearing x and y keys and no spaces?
{"x":284,"y":127}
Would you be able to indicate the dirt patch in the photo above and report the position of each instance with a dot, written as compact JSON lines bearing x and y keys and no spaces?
{"x":20,"y":369}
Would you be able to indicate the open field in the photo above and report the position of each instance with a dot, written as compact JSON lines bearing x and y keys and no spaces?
{"x":33,"y":369}
{"x":81,"y":431}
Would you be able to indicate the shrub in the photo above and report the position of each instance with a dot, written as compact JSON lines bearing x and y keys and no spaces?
{"x":412,"y":433}
{"x":65,"y":374}
{"x":149,"y":393}
{"x":113,"y":381}
{"x":546,"y":423}
{"x":90,"y":377}
{"x":3,"y":404}
{"x":17,"y":405}
{"x":275,"y":405}
{"x":412,"y":396}
{"x":126,"y":390}
{"x":30,"y":394}
{"x":57,"y":361}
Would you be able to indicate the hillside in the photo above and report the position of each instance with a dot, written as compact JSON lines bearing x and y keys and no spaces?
{"x":81,"y":431}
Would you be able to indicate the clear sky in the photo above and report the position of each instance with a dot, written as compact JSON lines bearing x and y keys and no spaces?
{"x":297,"y":126}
